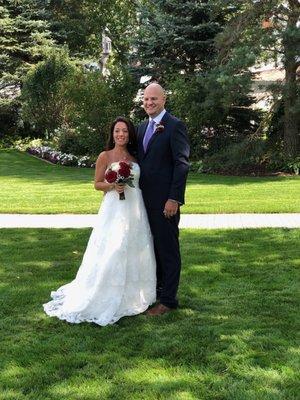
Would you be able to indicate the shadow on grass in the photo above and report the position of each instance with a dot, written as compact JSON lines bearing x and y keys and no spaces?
{"x":234,"y":336}
{"x":16,"y":164}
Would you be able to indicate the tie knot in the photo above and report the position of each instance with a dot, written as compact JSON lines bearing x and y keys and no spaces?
{"x":152,"y":123}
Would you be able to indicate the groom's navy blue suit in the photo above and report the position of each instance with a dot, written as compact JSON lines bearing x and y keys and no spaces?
{"x":164,"y":168}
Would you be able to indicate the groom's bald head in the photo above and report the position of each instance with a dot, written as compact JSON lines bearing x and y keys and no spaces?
{"x":155,"y":87}
{"x":154,"y":99}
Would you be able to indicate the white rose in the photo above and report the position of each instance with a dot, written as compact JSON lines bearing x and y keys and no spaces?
{"x":114,"y":166}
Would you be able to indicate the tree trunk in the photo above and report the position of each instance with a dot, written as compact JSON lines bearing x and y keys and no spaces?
{"x":291,"y":114}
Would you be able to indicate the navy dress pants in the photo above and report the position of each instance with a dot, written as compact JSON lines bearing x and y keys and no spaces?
{"x":166,"y":245}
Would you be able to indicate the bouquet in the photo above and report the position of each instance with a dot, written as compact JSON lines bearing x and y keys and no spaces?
{"x":120,"y":173}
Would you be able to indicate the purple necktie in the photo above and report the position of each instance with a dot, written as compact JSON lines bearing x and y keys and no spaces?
{"x":148,"y":134}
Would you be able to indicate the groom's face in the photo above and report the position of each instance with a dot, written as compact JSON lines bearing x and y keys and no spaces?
{"x":153,"y":101}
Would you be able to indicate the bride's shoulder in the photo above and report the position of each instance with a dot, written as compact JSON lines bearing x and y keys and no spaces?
{"x":102,"y":158}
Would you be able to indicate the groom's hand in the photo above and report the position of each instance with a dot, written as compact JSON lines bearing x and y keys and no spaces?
{"x":171,"y":208}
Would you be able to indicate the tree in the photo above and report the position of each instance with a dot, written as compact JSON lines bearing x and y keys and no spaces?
{"x":43,"y":104}
{"x":177,"y":36}
{"x":176,"y":44}
{"x":92,"y":103}
{"x":30,"y":28}
{"x":79,"y":24}
{"x":24,"y":38}
{"x":267,"y":31}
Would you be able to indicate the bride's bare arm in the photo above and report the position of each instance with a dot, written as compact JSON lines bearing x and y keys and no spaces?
{"x":101,"y":165}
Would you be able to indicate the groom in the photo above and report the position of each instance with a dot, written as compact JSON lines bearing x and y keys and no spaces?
{"x":163,"y":151}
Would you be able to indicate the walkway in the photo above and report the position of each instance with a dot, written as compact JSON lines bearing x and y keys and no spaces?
{"x":206,"y":221}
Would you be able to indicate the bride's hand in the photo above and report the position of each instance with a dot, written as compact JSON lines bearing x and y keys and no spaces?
{"x":119,"y":187}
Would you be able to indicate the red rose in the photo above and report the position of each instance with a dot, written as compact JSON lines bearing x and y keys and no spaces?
{"x":124,"y":164}
{"x":124,"y":170}
{"x":111,"y":176}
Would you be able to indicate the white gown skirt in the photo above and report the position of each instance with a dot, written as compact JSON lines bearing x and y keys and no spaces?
{"x":117,"y":276}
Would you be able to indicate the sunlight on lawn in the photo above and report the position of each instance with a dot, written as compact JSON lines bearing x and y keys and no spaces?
{"x":233,"y":337}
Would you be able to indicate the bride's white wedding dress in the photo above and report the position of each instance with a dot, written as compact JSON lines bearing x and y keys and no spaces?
{"x":117,"y":276}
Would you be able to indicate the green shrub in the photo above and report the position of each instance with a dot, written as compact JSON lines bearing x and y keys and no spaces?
{"x":246,"y":157}
{"x":10,"y":119}
{"x":24,"y":143}
{"x":79,"y":141}
{"x":43,"y":100}
{"x":294,"y":165}
{"x":92,"y":103}
{"x":281,"y":164}
{"x":66,"y":139}
{"x":196,"y":166}
{"x":73,"y":107}
{"x":215,"y":118}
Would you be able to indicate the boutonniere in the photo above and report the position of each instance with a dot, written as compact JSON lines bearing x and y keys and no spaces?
{"x":159,"y":127}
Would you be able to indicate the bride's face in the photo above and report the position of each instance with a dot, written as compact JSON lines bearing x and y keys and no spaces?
{"x":121,"y":134}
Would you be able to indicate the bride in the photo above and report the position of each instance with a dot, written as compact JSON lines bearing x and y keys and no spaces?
{"x":117,"y":276}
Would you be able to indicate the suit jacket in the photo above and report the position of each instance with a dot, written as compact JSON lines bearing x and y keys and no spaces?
{"x":164,"y":166}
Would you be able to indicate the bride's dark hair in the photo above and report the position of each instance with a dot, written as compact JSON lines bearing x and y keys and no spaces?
{"x":132,"y":139}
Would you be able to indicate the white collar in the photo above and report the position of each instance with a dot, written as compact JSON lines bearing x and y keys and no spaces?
{"x":158,"y":118}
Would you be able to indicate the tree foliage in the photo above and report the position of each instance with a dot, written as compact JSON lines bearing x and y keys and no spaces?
{"x":202,"y":51}
{"x":73,"y":106}
{"x":267,"y":31}
{"x":43,"y":104}
{"x":92,"y":103}
{"x":24,"y":37}
{"x":30,"y":28}
{"x":176,"y":44}
{"x":177,"y":36}
{"x":79,"y":24}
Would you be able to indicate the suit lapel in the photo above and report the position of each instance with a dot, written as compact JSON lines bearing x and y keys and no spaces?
{"x":143,"y":130}
{"x":142,"y":134}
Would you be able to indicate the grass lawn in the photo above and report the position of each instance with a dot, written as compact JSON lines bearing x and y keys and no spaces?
{"x":235,"y":337}
{"x":29,"y":185}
